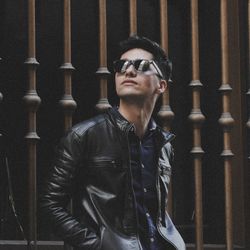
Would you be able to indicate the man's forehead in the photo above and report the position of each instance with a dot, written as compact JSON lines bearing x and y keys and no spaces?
{"x":137,"y":53}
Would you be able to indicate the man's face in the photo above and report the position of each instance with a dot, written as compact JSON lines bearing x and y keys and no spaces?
{"x":137,"y":85}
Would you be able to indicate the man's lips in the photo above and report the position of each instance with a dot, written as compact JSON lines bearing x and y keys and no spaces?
{"x":129,"y":82}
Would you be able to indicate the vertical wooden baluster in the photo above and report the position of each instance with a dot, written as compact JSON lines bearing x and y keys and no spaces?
{"x":2,"y":193}
{"x":226,"y":122}
{"x":165,"y":114}
{"x":2,"y":198}
{"x":248,"y":73}
{"x":196,"y":117}
{"x":133,"y":17}
{"x":102,"y":71}
{"x":1,"y":95}
{"x":67,"y":102}
{"x":32,"y":101}
{"x":1,"y":99}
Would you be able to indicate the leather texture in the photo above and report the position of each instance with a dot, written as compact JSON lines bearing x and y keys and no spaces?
{"x":92,"y":165}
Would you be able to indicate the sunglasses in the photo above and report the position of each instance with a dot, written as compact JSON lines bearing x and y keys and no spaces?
{"x":140,"y":65}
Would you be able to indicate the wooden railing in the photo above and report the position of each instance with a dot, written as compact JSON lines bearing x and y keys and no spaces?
{"x":67,"y":102}
{"x":248,"y":74}
{"x":166,"y":114}
{"x":226,"y":122}
{"x":196,"y":117}
{"x":32,"y":101}
{"x":102,"y":71}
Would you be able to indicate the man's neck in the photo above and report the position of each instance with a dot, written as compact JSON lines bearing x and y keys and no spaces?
{"x":138,"y":115}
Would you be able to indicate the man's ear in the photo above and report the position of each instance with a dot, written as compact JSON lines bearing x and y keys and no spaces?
{"x":162,"y":86}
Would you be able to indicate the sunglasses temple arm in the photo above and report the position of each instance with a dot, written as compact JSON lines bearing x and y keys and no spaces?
{"x":157,"y":69}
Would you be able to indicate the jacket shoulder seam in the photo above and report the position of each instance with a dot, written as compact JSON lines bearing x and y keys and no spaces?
{"x":81,"y":128}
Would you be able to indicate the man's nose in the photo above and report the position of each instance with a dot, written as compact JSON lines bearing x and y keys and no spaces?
{"x":131,"y":71}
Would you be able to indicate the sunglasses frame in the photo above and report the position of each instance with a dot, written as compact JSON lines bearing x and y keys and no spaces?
{"x":132,"y":62}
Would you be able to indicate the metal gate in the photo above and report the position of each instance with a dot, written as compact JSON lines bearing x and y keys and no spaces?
{"x":56,"y":57}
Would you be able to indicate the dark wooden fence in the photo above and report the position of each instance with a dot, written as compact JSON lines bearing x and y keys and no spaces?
{"x":207,"y":105}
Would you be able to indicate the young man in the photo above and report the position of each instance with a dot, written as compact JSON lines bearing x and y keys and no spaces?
{"x":116,"y":166}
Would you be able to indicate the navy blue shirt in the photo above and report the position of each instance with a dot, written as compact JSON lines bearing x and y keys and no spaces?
{"x":144,"y":167}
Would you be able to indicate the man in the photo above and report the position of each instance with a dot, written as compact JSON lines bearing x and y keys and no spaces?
{"x":116,"y":166}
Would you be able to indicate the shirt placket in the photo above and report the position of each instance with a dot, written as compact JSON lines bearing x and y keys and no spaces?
{"x":147,"y":188}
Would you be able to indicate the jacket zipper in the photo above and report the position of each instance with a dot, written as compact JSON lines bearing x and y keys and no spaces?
{"x":111,"y":162}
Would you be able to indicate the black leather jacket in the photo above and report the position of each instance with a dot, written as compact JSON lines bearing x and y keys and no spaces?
{"x":92,"y":165}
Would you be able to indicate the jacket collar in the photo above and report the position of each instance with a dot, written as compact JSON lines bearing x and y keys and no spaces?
{"x":125,"y":126}
{"x":122,"y":123}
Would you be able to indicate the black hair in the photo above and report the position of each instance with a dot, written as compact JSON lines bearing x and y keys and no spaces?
{"x":159,"y":55}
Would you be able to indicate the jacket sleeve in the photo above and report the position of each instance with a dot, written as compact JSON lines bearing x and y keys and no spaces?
{"x":57,"y":193}
{"x":170,"y":153}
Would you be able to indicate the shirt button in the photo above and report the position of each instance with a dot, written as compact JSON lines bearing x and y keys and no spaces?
{"x":147,"y":214}
{"x":152,"y":239}
{"x":145,"y":190}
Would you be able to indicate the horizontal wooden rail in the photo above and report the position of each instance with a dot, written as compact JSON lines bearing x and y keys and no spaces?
{"x":58,"y":245}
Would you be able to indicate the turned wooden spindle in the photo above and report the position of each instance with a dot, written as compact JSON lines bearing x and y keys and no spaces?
{"x":67,"y":102}
{"x":1,"y":95}
{"x":165,"y":113}
{"x":248,"y":72}
{"x":197,"y":118}
{"x":103,"y":71}
{"x":1,"y":99}
{"x":132,"y":17}
{"x":32,"y":101}
{"x":226,"y":121}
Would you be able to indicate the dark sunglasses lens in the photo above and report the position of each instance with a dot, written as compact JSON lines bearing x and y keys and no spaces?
{"x":141,"y":65}
{"x":117,"y":65}
{"x":120,"y":66}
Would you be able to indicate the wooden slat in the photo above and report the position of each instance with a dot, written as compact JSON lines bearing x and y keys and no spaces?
{"x":248,"y":72}
{"x":1,"y":95}
{"x":32,"y":101}
{"x":226,"y":122}
{"x":102,"y":71}
{"x":165,"y":113}
{"x":133,"y":17}
{"x":58,"y":245}
{"x":67,"y":102}
{"x":1,"y":99}
{"x":197,"y":118}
